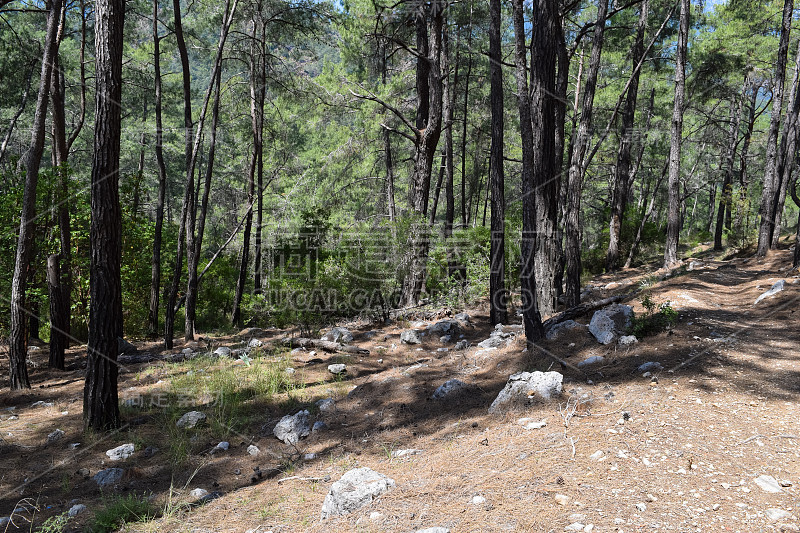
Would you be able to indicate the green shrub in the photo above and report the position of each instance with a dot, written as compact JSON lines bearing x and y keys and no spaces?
{"x":656,"y":318}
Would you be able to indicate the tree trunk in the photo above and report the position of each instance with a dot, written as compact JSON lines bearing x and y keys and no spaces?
{"x":258,"y":141}
{"x":429,"y":126}
{"x":743,"y":203}
{"x":20,"y":110}
{"x":155,"y":269}
{"x":58,"y":337}
{"x":562,"y":82}
{"x":18,"y":342}
{"x":796,"y":200}
{"x":497,"y":272}
{"x":464,"y":209}
{"x":100,"y":404}
{"x":545,"y":51}
{"x":622,"y":176}
{"x":727,"y":182}
{"x":787,"y":150}
{"x":673,"y":216}
{"x":531,"y":317}
{"x":645,"y":217}
{"x":577,"y":167}
{"x":771,"y":177}
{"x":169,"y":312}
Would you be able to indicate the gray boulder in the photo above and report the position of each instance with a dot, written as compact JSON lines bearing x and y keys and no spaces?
{"x":448,"y":388}
{"x":109,"y":476}
{"x":523,"y":388}
{"x":626,"y":340}
{"x":326,"y":405}
{"x":461,"y":345}
{"x":462,"y":317}
{"x":443,"y":327}
{"x":555,"y":330}
{"x":337,"y":368}
{"x":76,"y":509}
{"x":121,"y":452}
{"x":610,"y":322}
{"x":340,"y":335}
{"x":411,"y":336}
{"x":500,"y":337}
{"x":292,"y":428}
{"x":776,"y":288}
{"x":223,"y":351}
{"x":255,"y":343}
{"x":356,"y":488}
{"x":191,"y":420}
{"x":55,"y":436}
{"x":124,"y":347}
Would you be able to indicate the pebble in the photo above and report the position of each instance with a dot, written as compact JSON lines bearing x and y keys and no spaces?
{"x":596,"y":456}
{"x":337,"y":368}
{"x":768,"y":484}
{"x":55,"y":436}
{"x":562,"y":499}
{"x":577,"y":526}
{"x":75,"y":510}
{"x":529,"y":423}
{"x":477,"y":500}
{"x":198,"y":493}
{"x":253,"y":450}
{"x":777,"y":514}
{"x":641,"y":507}
{"x":375,"y":515}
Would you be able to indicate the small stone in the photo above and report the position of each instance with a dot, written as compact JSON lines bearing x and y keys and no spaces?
{"x":223,"y":351}
{"x":768,"y":484}
{"x":355,"y":489}
{"x":626,"y":340}
{"x":255,"y":343}
{"x":187,"y":351}
{"x":641,"y":507}
{"x":109,"y":476}
{"x":593,"y":360}
{"x":198,"y":493}
{"x":529,"y":423}
{"x":319,"y":425}
{"x":309,"y":456}
{"x":650,"y":366}
{"x":253,"y":450}
{"x":411,"y":336}
{"x":150,"y":451}
{"x":292,"y":428}
{"x":221,"y":447}
{"x":289,"y":370}
{"x":777,"y":514}
{"x":74,"y":445}
{"x":562,"y":499}
{"x":576,"y":526}
{"x":785,"y":483}
{"x":375,"y":516}
{"x":191,"y":420}
{"x":40,"y":403}
{"x":448,"y":388}
{"x":76,"y":509}
{"x":477,"y":500}
{"x":716,"y":507}
{"x":337,"y":334}
{"x":775,"y":289}
{"x":404,"y":453}
{"x":121,"y":452}
{"x":326,"y":406}
{"x":337,"y":369}
{"x":651,"y":498}
{"x":55,"y":436}
{"x":461,"y":345}
{"x":596,"y":456}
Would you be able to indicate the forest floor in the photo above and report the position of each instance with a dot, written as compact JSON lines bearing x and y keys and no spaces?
{"x":619,"y":452}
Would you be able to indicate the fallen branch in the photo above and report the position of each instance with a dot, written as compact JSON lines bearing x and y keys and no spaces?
{"x":584,"y":308}
{"x":327,"y":346}
{"x":315,"y":479}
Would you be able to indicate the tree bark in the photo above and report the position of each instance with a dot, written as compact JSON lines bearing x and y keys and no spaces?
{"x":429,"y":126}
{"x":155,"y":268}
{"x":18,"y":342}
{"x":259,"y":95}
{"x":100,"y":402}
{"x":787,"y":150}
{"x":743,"y":203}
{"x":531,"y":316}
{"x":727,"y":182}
{"x":622,"y":175}
{"x":771,"y":177}
{"x":676,"y":132}
{"x":497,"y":273}
{"x":58,"y":337}
{"x":577,"y":167}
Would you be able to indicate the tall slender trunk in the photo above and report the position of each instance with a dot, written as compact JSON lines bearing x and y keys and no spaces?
{"x":771,"y":177}
{"x":155,"y":268}
{"x":13,"y":124}
{"x":100,"y":400}
{"x":562,"y":82}
{"x":497,"y":271}
{"x":621,"y":187}
{"x":236,"y":313}
{"x":673,"y":216}
{"x":796,"y":200}
{"x":727,"y":182}
{"x":464,"y":210}
{"x":18,"y":348}
{"x":787,"y":150}
{"x":743,"y":203}
{"x":531,"y":317}
{"x":645,"y":216}
{"x":429,"y":126}
{"x":194,"y":240}
{"x":258,"y":139}
{"x":169,"y":312}
{"x":577,"y":167}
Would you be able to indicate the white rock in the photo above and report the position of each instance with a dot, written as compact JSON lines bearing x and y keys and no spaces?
{"x":326,"y":405}
{"x":576,"y":526}
{"x":777,"y":514}
{"x":191,"y":420}
{"x":223,"y":351}
{"x":355,"y":489}
{"x":562,"y":499}
{"x":405,"y":452}
{"x":775,"y":289}
{"x":198,"y":493}
{"x":596,"y":456}
{"x":292,"y":428}
{"x":610,"y":322}
{"x":593,"y":360}
{"x":337,"y":368}
{"x":340,"y":335}
{"x":55,"y":436}
{"x":626,"y":340}
{"x":253,"y":450}
{"x":525,"y":387}
{"x":529,"y":423}
{"x":109,"y":476}
{"x":448,"y":388}
{"x":768,"y":484}
{"x":121,"y":452}
{"x":255,"y":343}
{"x":650,"y":366}
{"x":411,"y":336}
{"x":375,"y":515}
{"x":641,"y":507}
{"x":477,"y":500}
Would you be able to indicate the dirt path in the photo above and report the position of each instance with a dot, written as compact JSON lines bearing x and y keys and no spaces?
{"x":621,"y":451}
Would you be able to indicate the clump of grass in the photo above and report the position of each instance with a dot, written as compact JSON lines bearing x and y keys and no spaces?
{"x":120,"y":510}
{"x":54,"y":524}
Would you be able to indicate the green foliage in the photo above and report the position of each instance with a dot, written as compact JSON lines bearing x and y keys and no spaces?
{"x":120,"y":510}
{"x":54,"y":524}
{"x":656,"y":318}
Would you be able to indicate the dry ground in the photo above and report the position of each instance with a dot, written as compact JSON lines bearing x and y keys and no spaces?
{"x":685,"y":447}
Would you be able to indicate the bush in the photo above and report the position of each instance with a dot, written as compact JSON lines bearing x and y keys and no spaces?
{"x":656,"y":318}
{"x":121,"y":510}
